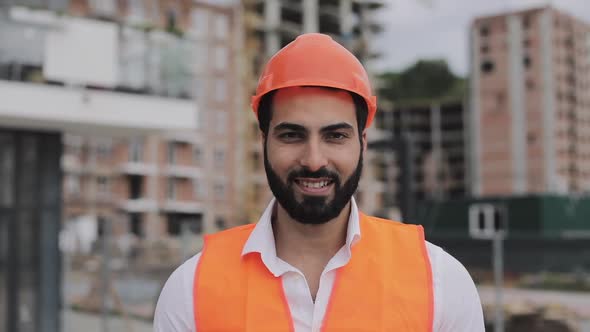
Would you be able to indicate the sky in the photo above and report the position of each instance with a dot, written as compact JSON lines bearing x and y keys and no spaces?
{"x":434,"y":29}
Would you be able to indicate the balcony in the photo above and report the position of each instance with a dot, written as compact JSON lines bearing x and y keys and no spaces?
{"x":137,"y":168}
{"x":100,"y":112}
{"x":181,"y":171}
{"x":187,"y":137}
{"x":173,"y":206}
{"x":93,"y":77}
{"x":138,"y":205}
{"x":71,"y":164}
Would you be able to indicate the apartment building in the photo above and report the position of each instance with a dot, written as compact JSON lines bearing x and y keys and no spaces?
{"x":530,"y":103}
{"x":58,"y":82}
{"x":177,"y":182}
{"x":271,"y":24}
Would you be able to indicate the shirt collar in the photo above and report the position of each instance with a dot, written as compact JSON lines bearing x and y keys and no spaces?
{"x":261,"y":239}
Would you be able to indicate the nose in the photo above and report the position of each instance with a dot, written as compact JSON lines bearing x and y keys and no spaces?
{"x":313,"y":157}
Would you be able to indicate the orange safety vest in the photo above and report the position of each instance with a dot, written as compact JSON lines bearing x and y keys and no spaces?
{"x":386,"y":285}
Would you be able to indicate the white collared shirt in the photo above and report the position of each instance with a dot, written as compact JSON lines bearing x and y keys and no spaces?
{"x":456,"y":302}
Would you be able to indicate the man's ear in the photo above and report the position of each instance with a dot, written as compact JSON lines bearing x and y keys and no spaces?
{"x":364,"y":140}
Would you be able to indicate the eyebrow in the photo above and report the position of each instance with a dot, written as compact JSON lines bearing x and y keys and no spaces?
{"x":300,"y":128}
{"x":337,"y":126}
{"x":289,"y":126}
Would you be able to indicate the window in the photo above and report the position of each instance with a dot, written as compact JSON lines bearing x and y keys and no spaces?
{"x":526,"y":22}
{"x":531,"y":137}
{"x":135,"y":186}
{"x":179,"y":224}
{"x":221,"y":26}
{"x":526,"y":43}
{"x":220,"y":223}
{"x":219,"y":159}
{"x":136,"y":151}
{"x":487,"y":66}
{"x":132,"y":59}
{"x":103,"y":186}
{"x":103,"y":149}
{"x":171,"y":190}
{"x":73,"y":185}
{"x":200,"y":56}
{"x":199,"y":24}
{"x":220,"y":122}
{"x":526,"y":61}
{"x":171,"y":153}
{"x":198,"y":156}
{"x":172,"y":15}
{"x":199,"y":92}
{"x":220,"y":90}
{"x":7,"y":169}
{"x":136,"y":11}
{"x":221,"y":58}
{"x":530,"y":84}
{"x":484,"y":31}
{"x":219,"y":190}
{"x":105,"y":8}
{"x":135,"y":224}
{"x":199,"y":188}
{"x":58,"y":5}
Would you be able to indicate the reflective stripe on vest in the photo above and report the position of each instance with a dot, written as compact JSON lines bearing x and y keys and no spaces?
{"x":386,"y":285}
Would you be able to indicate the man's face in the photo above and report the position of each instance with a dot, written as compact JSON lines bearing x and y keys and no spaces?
{"x":312,"y":154}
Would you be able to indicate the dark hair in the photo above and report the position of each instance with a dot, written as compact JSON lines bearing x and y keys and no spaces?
{"x":265,"y":111}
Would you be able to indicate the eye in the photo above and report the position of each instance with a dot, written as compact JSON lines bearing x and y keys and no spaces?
{"x":336,"y":136}
{"x":290,"y":136}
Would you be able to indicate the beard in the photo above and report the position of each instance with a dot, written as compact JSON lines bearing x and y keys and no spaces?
{"x":312,"y":210}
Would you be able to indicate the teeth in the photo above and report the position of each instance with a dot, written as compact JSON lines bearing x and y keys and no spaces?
{"x":316,"y":185}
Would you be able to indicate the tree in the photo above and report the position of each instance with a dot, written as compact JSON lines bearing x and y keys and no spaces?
{"x":425,"y":80}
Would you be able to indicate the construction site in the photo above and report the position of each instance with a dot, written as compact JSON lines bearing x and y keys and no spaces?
{"x":115,"y":166}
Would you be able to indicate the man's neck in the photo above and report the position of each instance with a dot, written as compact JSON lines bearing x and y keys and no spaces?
{"x":295,"y":240}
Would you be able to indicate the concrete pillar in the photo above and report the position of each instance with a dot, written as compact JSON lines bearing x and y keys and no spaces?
{"x":346,"y":22}
{"x":517,"y":105}
{"x":546,"y":33}
{"x":474,"y":117}
{"x":272,"y":21}
{"x":152,"y":229}
{"x":311,"y":16}
{"x":436,"y":137}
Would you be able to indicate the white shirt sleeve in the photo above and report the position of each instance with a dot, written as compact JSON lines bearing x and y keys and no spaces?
{"x":457,"y":307}
{"x":174,"y":311}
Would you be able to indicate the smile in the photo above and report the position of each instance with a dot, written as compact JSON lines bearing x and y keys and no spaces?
{"x":314,"y":186}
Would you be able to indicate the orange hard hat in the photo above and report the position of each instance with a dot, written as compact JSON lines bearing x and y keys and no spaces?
{"x":315,"y":59}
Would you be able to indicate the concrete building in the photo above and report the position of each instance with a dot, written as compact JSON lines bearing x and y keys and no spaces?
{"x":158,"y":186}
{"x":530,"y":103}
{"x":425,"y":157}
{"x":436,"y":134}
{"x":272,"y":24}
{"x":59,"y":74}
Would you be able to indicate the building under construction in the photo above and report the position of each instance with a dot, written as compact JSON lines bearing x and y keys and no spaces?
{"x":425,"y":156}
{"x":272,"y":24}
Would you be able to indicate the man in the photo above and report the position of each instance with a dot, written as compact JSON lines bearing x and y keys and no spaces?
{"x":314,"y":261}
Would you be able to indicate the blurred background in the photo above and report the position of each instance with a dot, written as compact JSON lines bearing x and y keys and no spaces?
{"x":126,"y":136}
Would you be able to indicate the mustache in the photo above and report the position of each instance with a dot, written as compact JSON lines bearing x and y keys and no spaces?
{"x":307,"y":173}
